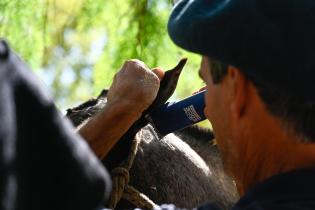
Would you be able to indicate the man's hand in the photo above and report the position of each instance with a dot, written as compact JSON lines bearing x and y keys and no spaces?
{"x":133,"y":90}
{"x":135,"y":86}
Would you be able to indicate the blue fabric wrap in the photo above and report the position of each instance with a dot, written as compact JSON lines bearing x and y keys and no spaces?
{"x":174,"y":116}
{"x":272,"y":41}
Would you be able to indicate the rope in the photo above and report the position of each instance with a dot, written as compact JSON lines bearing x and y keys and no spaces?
{"x":120,"y":177}
{"x":138,"y":199}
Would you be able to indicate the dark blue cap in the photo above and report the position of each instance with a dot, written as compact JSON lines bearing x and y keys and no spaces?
{"x":271,"y":40}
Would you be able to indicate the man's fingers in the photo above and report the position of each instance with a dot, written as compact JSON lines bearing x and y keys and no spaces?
{"x":159,"y":72}
{"x":201,"y":89}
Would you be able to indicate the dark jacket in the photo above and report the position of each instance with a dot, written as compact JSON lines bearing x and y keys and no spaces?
{"x":294,"y":190}
{"x":43,"y":163}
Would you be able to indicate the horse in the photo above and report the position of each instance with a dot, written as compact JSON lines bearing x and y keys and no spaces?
{"x":183,"y":168}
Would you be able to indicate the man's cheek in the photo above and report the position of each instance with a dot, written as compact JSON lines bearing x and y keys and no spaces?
{"x":207,"y":112}
{"x":207,"y":109}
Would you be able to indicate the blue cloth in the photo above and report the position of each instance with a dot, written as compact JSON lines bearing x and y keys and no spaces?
{"x":269,"y":40}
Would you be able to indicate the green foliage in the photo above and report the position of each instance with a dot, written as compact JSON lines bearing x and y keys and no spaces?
{"x":76,"y":46}
{"x":21,"y":24}
{"x":139,"y":31}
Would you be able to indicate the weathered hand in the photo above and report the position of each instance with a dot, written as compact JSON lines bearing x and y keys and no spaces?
{"x":135,"y":85}
{"x":134,"y":88}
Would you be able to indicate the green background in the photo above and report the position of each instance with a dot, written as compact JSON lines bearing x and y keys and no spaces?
{"x":76,"y":46}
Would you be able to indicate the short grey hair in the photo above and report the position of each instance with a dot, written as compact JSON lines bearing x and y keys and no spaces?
{"x":296,"y":114}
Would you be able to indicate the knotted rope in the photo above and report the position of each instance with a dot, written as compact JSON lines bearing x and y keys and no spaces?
{"x":121,"y":187}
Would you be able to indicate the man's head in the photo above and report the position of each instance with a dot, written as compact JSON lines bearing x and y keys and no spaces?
{"x":259,"y":64}
{"x":232,"y":106}
{"x":255,"y":143}
{"x":296,"y":114}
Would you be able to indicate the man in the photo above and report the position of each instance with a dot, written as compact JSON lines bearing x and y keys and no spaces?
{"x":259,"y":67}
{"x":43,"y":163}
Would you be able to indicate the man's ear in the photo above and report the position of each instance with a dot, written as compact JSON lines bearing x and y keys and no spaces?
{"x":237,"y":84}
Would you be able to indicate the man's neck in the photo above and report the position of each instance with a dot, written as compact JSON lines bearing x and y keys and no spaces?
{"x":269,"y":152}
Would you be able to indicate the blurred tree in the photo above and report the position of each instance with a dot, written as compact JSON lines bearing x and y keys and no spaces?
{"x":76,"y":46}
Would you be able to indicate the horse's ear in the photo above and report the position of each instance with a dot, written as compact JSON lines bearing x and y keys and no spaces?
{"x":168,"y":84}
{"x":103,"y":94}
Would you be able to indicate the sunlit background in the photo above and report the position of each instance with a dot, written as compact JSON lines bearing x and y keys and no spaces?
{"x":76,"y":46}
